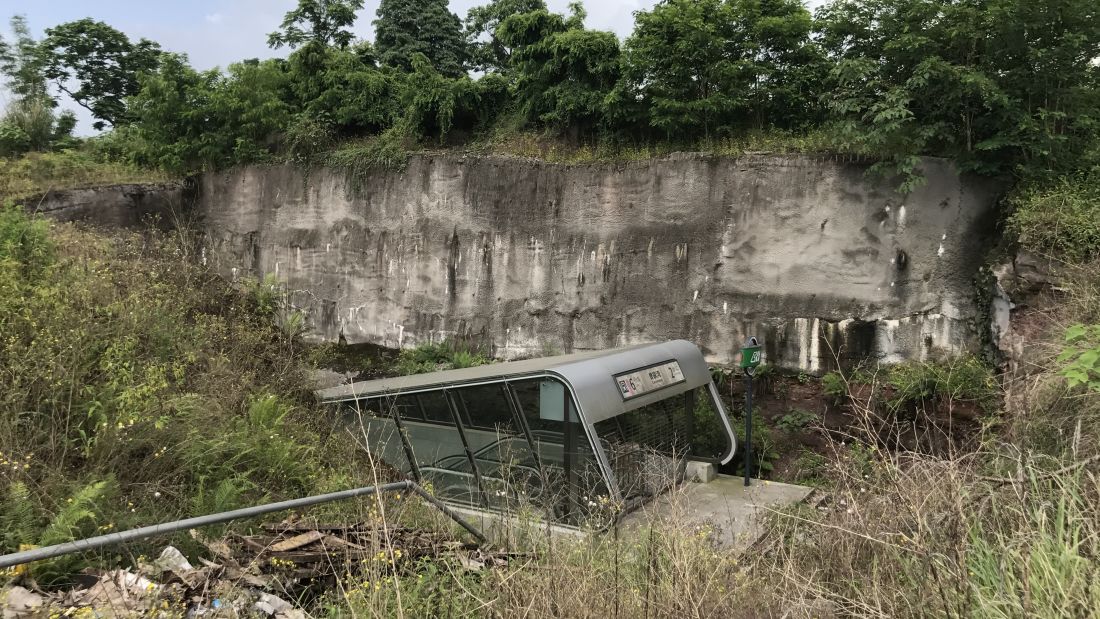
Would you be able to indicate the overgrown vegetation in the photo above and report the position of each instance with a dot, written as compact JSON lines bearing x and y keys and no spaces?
{"x":449,"y":355}
{"x":138,"y":387}
{"x":1001,"y":88}
{"x":38,"y":173}
{"x":892,"y":79}
{"x":1060,"y":219}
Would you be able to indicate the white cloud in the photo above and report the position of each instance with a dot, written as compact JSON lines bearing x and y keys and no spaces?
{"x":215,"y":18}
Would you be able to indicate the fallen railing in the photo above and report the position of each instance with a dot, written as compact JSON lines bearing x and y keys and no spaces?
{"x":121,"y":537}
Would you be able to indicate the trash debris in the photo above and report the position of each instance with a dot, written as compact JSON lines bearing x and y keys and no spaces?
{"x":243,"y":573}
{"x":18,"y":602}
{"x":172,"y":560}
{"x":117,"y":593}
{"x":270,"y":605}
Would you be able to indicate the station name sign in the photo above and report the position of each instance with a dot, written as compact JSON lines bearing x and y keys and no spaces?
{"x":647,"y":380}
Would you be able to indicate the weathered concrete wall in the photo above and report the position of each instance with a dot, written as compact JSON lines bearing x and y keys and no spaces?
{"x":811,"y":255}
{"x":126,"y":205}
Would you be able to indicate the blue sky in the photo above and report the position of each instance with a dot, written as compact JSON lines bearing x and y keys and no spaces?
{"x":218,"y":32}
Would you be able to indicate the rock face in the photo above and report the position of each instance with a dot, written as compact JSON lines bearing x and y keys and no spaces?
{"x":820,"y":261}
{"x":127,"y":205}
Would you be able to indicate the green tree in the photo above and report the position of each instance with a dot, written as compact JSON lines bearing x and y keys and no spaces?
{"x":33,"y":125}
{"x":29,"y":123}
{"x":563,"y":72}
{"x":408,"y":27}
{"x":185,"y":120}
{"x":706,"y":67}
{"x":999,"y":85}
{"x":434,"y":104}
{"x":487,"y":51}
{"x":344,"y":88}
{"x":22,"y":64}
{"x":320,"y":22}
{"x":97,"y":66}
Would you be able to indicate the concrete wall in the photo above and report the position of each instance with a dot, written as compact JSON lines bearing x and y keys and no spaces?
{"x":127,"y":205}
{"x":811,"y":255}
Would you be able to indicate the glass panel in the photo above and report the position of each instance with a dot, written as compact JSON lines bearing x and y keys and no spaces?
{"x":373,"y":424}
{"x":438,"y":448}
{"x":594,"y":507}
{"x":509,"y":468}
{"x":710,"y":439}
{"x":434,"y":407}
{"x":406,"y":408}
{"x":574,"y":488}
{"x":537,"y":399}
{"x":647,"y":447}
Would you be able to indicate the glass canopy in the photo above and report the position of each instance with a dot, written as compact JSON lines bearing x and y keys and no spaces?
{"x":580,"y":438}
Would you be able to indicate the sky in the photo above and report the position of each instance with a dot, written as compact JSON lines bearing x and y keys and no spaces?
{"x":214,"y":33}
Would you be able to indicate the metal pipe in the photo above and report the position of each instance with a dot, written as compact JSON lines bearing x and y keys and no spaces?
{"x":443,"y":507}
{"x":748,"y":426}
{"x":121,"y":537}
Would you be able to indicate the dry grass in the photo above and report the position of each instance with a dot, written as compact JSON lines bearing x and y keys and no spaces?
{"x":37,"y":173}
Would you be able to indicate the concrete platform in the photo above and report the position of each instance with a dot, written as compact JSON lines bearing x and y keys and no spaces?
{"x":731,"y":509}
{"x":725,"y":504}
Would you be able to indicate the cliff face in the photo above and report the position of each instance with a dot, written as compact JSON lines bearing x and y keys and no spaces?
{"x":814,"y":257}
{"x":126,"y":205}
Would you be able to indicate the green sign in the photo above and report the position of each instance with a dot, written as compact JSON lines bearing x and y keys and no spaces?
{"x":751,"y":356}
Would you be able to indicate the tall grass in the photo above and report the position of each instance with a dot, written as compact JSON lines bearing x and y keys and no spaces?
{"x":136,"y":386}
{"x":533,"y":145}
{"x":37,"y":173}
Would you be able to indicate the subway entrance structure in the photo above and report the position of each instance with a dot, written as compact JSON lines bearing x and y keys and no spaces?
{"x":581,"y":439}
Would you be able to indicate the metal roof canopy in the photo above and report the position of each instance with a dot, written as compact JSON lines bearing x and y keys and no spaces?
{"x":589,"y":374}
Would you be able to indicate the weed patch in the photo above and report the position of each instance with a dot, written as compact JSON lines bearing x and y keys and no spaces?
{"x":139,"y":387}
{"x":448,"y":355}
{"x":37,"y":173}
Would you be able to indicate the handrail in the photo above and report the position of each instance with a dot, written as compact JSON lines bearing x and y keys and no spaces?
{"x":110,"y":539}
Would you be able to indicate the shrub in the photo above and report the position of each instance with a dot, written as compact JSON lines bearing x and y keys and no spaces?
{"x":795,"y":419}
{"x":1081,"y":357}
{"x":359,"y":159}
{"x":1061,"y":221}
{"x":834,"y":385}
{"x":306,"y":136}
{"x":25,"y":246}
{"x":430,"y":357}
{"x":965,"y":379}
{"x":126,"y":365}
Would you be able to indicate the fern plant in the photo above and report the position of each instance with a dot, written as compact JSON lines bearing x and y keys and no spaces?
{"x":74,"y":516}
{"x":18,"y":523}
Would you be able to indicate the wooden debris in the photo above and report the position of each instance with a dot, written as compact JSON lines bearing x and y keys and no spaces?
{"x":296,"y":551}
{"x":297,"y":541}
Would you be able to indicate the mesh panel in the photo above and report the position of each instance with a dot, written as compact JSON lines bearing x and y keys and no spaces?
{"x":647,"y":447}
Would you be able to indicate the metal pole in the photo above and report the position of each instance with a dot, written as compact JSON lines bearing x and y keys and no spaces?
{"x":748,"y":425}
{"x":443,"y":507}
{"x":121,"y":537}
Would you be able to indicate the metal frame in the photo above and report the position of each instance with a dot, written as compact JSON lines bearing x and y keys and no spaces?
{"x":586,"y":368}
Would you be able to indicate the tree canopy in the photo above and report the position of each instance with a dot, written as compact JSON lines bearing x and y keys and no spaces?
{"x":405,"y":28}
{"x":97,"y":66}
{"x":29,"y":123}
{"x":487,"y":51}
{"x":1000,"y":86}
{"x":993,"y":84}
{"x":22,"y":62}
{"x":320,"y":22}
